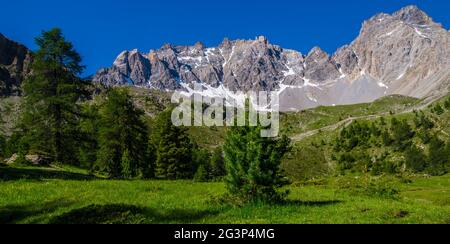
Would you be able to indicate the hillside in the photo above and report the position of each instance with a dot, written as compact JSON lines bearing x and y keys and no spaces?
{"x":315,"y":154}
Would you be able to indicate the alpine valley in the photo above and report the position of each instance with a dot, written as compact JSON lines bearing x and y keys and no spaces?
{"x":364,"y":132}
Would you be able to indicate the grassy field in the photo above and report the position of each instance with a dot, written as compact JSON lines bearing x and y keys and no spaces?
{"x":30,"y":195}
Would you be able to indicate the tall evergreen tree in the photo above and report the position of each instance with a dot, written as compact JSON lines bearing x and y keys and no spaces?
{"x":438,"y":157}
{"x":415,"y":159}
{"x":122,"y":136}
{"x":89,"y":132}
{"x":253,"y":164}
{"x":217,"y":163}
{"x":172,"y":148}
{"x":402,"y":133}
{"x":51,"y":111}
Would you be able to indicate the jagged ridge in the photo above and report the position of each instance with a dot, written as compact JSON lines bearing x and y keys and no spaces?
{"x":404,"y":53}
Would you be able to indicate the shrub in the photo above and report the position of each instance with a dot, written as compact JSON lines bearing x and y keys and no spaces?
{"x":380,"y":187}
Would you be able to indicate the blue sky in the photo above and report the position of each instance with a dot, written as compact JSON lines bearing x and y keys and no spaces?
{"x":100,"y":29}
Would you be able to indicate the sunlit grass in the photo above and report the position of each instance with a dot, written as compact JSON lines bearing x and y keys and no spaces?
{"x":425,"y":200}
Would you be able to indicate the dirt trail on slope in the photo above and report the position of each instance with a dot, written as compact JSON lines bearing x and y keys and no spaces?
{"x":348,"y":121}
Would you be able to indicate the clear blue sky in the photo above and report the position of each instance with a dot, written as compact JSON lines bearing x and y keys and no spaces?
{"x":100,"y":29}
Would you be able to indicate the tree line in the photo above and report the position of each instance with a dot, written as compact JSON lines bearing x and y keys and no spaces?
{"x":64,"y":122}
{"x":394,"y":146}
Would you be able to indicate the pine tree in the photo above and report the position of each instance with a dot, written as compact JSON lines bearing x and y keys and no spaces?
{"x":402,"y":133}
{"x":253,"y":164}
{"x":128,"y":171}
{"x":217,"y":164}
{"x":89,"y":132}
{"x":51,"y":109}
{"x":122,"y":136}
{"x":173,"y":148}
{"x":421,"y":120}
{"x":415,"y":159}
{"x":438,"y":157}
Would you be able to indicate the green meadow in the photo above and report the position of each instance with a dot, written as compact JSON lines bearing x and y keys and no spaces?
{"x":49,"y":195}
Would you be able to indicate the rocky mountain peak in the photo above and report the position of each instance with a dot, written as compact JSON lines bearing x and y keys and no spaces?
{"x":226,"y":43}
{"x":317,"y":54}
{"x":167,"y":46}
{"x":262,"y":39}
{"x":199,"y":45}
{"x":413,"y":15}
{"x":15,"y":65}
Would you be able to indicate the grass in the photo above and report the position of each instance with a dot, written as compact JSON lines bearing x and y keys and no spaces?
{"x":59,"y":200}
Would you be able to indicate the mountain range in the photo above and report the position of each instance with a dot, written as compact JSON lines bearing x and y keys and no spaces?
{"x":404,"y":53}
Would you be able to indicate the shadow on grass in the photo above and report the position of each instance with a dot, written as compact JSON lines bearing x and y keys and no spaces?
{"x":10,"y":174}
{"x":309,"y":203}
{"x":11,"y":214}
{"x":128,"y":214}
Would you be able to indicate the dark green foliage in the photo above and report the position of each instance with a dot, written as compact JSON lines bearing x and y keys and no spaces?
{"x":253,"y":164}
{"x":415,"y":159}
{"x":2,"y":146}
{"x":200,"y":156}
{"x":447,"y":104}
{"x":438,"y":109}
{"x":357,"y":134}
{"x":438,"y":157}
{"x":305,"y":162}
{"x":382,"y":121}
{"x":386,"y":137}
{"x":346,"y":161}
{"x":128,"y":169}
{"x":2,"y":138}
{"x":201,"y":159}
{"x":425,"y":136}
{"x":217,"y":164}
{"x":89,"y":132}
{"x":51,"y":110}
{"x":172,"y":147}
{"x":122,"y":137}
{"x":201,"y":175}
{"x":402,"y":133}
{"x":374,"y":130}
{"x":422,"y":121}
{"x":353,"y":144}
{"x":13,"y":145}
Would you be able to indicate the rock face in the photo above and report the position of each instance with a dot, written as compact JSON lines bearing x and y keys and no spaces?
{"x":403,"y":53}
{"x":15,"y":62}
